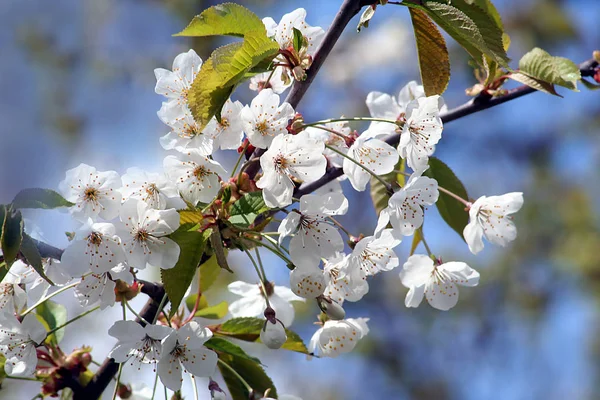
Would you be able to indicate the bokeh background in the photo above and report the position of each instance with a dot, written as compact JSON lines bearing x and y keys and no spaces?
{"x":77,"y":85}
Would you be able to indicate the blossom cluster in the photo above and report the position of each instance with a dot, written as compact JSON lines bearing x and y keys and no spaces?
{"x":126,"y":221}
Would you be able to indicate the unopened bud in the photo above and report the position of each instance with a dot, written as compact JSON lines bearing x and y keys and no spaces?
{"x":124,"y":291}
{"x":124,"y":391}
{"x":216,"y":393}
{"x":330,"y":307}
{"x":273,"y":334}
{"x":353,"y":240}
{"x":295,"y":124}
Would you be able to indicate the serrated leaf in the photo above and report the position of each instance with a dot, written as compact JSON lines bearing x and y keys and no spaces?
{"x":177,"y":279}
{"x":12,"y":234}
{"x":190,"y":217}
{"x":40,"y":198}
{"x":250,"y":371}
{"x":217,"y":311}
{"x":541,"y":66}
{"x":221,"y":345}
{"x":434,"y":62}
{"x":224,"y":19}
{"x":451,"y":210}
{"x":534,"y":83}
{"x":54,"y":315}
{"x":209,"y":272}
{"x":225,"y":68}
{"x":245,"y":210}
{"x":33,"y":257}
{"x":248,"y":329}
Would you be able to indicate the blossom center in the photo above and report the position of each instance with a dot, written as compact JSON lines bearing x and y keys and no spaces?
{"x":200,"y":172}
{"x":224,"y":124}
{"x":91,"y":194}
{"x":141,"y":235}
{"x":262,"y":127}
{"x":281,"y":163}
{"x":95,"y":238}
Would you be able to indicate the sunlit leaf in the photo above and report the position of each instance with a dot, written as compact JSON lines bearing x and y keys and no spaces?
{"x":224,"y":19}
{"x":55,"y":315}
{"x":12,"y":234}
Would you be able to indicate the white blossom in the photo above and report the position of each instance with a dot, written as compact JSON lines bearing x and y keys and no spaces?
{"x":279,"y":81}
{"x":185,"y":132}
{"x":437,"y":282}
{"x":184,"y":349}
{"x":174,"y":85}
{"x":18,"y":342}
{"x":307,"y":282}
{"x":100,"y":288}
{"x":227,"y":134}
{"x":290,"y":158}
{"x":196,"y":176}
{"x":284,"y":31}
{"x":96,"y":248}
{"x":253,"y":303}
{"x":144,"y":239}
{"x":331,"y":139}
{"x":404,"y":210}
{"x":374,"y":254}
{"x":153,"y":188}
{"x":12,"y":298}
{"x":315,"y":237}
{"x":137,"y":344}
{"x":265,"y":118}
{"x":342,"y":283}
{"x":372,"y":153}
{"x":421,"y":132}
{"x":337,"y":337}
{"x":95,"y":194}
{"x":489,"y":217}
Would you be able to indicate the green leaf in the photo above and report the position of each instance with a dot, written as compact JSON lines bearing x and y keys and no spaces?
{"x":40,"y":198}
{"x":246,"y":209}
{"x":541,"y":66}
{"x":177,"y":279}
{"x":209,"y":272}
{"x":434,"y":62}
{"x":225,"y":68}
{"x":213,"y":312}
{"x":2,"y":372}
{"x":224,"y":19}
{"x":12,"y":234}
{"x":590,"y":85}
{"x":534,"y":83}
{"x":32,"y":255}
{"x":379,"y":193}
{"x":298,"y":41}
{"x":250,"y":371}
{"x":248,"y":329}
{"x":451,"y":210}
{"x":190,"y":217}
{"x":55,"y":315}
{"x":221,"y":345}
{"x":216,"y":242}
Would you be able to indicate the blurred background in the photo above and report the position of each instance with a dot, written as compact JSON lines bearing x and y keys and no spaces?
{"x":77,"y":85}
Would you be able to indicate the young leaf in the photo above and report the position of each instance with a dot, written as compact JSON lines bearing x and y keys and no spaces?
{"x":224,"y":19}
{"x":217,"y":311}
{"x":434,"y":62}
{"x":190,"y":217}
{"x":55,"y":315}
{"x":190,"y":302}
{"x":209,"y":272}
{"x":537,"y":84}
{"x":541,"y":66}
{"x":250,"y":371}
{"x":451,"y":210}
{"x":12,"y":234}
{"x":178,"y":278}
{"x":246,"y":209}
{"x":40,"y":198}
{"x":298,"y":40}
{"x":221,"y":345}
{"x":32,"y":255}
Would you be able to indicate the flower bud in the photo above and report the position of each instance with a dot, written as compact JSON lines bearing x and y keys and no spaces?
{"x":124,"y":391}
{"x":216,"y":393}
{"x":330,"y":307}
{"x":299,"y":73}
{"x":296,"y":124}
{"x":273,"y":334}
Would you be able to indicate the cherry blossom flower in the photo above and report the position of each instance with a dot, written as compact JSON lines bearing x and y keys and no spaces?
{"x":337,"y":337}
{"x":55,"y":271}
{"x":307,"y":282}
{"x":227,"y":134}
{"x":421,"y":132}
{"x":404,"y":210}
{"x":333,"y":140}
{"x":18,"y":342}
{"x":436,"y":281}
{"x":290,"y":157}
{"x":174,"y":85}
{"x":145,"y":241}
{"x":153,"y":188}
{"x":24,"y":275}
{"x":12,"y":298}
{"x":342,"y":283}
{"x":489,"y":217}
{"x":137,"y":344}
{"x":100,"y":288}
{"x":184,"y":349}
{"x":185,"y":133}
{"x":278,"y":81}
{"x":375,"y":254}
{"x":314,"y":236}
{"x":284,"y":31}
{"x":95,"y":194}
{"x":371,"y":153}
{"x":253,"y":303}
{"x":96,"y":248}
{"x":196,"y":176}
{"x":265,"y":118}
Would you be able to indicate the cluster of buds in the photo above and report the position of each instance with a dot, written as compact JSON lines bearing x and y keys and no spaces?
{"x":56,"y":370}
